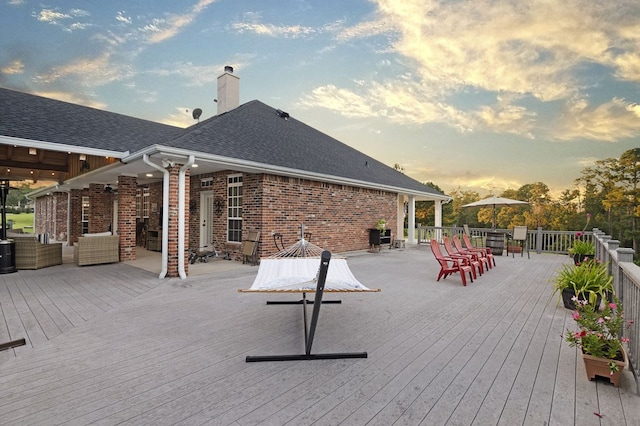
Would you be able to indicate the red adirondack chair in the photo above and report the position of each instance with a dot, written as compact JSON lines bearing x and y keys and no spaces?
{"x":478,"y":254}
{"x":476,"y":266}
{"x":450,"y":265}
{"x":486,"y":250}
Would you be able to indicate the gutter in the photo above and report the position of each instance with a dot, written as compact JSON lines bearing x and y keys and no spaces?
{"x":165,"y":216}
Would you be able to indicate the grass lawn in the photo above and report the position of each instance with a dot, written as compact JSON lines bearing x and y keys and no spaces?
{"x":21,"y":220}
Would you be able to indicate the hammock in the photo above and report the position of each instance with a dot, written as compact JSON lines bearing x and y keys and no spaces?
{"x":295,"y":269}
{"x":301,"y":275}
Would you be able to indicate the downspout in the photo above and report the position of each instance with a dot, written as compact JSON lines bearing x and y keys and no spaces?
{"x":165,"y":217}
{"x":181,"y":212}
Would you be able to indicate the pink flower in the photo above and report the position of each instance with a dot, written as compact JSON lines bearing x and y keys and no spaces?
{"x":578,"y":234}
{"x":576,"y":315}
{"x":613,"y":306}
{"x":600,"y":320}
{"x":588,"y":215}
{"x":625,"y":339}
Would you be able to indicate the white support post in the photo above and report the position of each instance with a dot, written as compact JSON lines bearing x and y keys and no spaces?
{"x":411,"y":235}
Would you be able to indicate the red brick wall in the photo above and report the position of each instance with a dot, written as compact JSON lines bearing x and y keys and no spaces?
{"x":337,"y":216}
{"x":127,"y":217}
{"x":76,"y":213}
{"x":100,"y":208}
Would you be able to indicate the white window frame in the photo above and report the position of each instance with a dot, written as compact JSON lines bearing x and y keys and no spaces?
{"x":234,"y":208}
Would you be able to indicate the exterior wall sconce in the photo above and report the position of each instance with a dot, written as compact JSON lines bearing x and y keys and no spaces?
{"x":33,"y":151}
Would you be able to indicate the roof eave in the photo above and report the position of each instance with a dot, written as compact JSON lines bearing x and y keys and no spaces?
{"x":255,"y":167}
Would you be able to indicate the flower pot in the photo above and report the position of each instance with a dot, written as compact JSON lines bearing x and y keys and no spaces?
{"x":567,"y":295}
{"x":579,"y":258}
{"x":594,"y":366}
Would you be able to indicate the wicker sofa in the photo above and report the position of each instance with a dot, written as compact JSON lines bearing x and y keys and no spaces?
{"x":96,"y":249}
{"x":32,"y":254}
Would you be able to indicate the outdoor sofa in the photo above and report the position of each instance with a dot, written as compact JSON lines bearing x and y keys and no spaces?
{"x":94,"y":249}
{"x":32,"y":254}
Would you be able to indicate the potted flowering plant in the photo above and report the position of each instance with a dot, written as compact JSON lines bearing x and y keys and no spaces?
{"x":589,"y":281}
{"x":582,"y":249}
{"x":599,"y":336}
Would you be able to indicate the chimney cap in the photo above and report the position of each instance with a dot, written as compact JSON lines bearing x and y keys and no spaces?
{"x":228,"y":68}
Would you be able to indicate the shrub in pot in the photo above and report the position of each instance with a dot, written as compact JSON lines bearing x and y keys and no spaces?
{"x":588,"y":281}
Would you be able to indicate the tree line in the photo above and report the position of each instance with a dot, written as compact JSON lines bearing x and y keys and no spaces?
{"x":606,"y":196}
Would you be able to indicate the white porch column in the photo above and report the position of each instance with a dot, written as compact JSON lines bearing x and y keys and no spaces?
{"x":438,"y":219}
{"x":438,"y":213}
{"x":411,"y":235}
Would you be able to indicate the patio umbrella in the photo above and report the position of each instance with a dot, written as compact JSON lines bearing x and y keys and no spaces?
{"x":495,"y":202}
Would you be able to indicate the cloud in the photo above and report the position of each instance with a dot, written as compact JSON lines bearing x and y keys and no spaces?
{"x":609,"y":122}
{"x":181,"y":118}
{"x":87,"y":72}
{"x":15,"y":67}
{"x":163,"y":29}
{"x":71,"y":98}
{"x":55,"y":17}
{"x":294,"y":31}
{"x":537,"y":50}
{"x":120,"y":17}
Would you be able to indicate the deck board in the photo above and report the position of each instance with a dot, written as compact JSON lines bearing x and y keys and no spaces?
{"x":113,"y":344}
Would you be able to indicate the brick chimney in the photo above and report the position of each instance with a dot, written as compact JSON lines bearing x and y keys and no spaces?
{"x":228,"y":91}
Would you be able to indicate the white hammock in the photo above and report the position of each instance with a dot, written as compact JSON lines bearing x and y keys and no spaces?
{"x":300,"y":275}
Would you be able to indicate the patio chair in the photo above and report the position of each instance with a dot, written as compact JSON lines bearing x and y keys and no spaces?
{"x":486,"y":250}
{"x":472,"y":260}
{"x":94,"y":249}
{"x":250,"y":248}
{"x":472,"y":237}
{"x":32,"y":254}
{"x":479,"y":255}
{"x":519,"y":235}
{"x":449,"y":265}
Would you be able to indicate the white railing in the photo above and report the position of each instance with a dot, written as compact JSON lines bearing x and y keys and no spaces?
{"x":626,"y":281}
{"x":538,"y":240}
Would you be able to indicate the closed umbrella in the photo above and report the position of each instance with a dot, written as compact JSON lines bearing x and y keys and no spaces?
{"x":495,"y":202}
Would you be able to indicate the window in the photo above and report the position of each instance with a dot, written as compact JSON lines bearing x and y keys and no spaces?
{"x":138,"y":203}
{"x":234,"y":209}
{"x":145,"y":203}
{"x":85,"y":215}
{"x":206,"y":182}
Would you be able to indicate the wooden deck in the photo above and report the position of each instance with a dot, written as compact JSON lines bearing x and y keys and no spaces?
{"x":113,"y":344}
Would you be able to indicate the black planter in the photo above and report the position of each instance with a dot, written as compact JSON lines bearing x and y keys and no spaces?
{"x":567,"y":295}
{"x":579,"y":258}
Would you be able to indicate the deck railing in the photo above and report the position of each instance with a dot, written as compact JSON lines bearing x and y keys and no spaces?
{"x":626,"y":280}
{"x":538,"y":240}
{"x":626,"y":274}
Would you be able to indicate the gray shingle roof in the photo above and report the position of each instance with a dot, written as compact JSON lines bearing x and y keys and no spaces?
{"x":256,"y":132}
{"x":252,"y":132}
{"x":42,"y":119}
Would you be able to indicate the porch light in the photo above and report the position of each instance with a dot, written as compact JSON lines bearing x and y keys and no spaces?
{"x":33,"y":151}
{"x":83,"y":157}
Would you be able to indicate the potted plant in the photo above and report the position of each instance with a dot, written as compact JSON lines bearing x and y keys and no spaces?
{"x":589,"y":281}
{"x":381,"y":226}
{"x":582,"y":250}
{"x":599,"y":336}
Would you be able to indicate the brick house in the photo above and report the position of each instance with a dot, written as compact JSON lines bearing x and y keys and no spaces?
{"x":250,"y":167}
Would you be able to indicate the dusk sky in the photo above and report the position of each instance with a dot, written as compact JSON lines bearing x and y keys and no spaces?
{"x":478,"y":95}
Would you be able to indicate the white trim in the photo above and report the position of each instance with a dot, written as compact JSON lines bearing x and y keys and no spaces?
{"x":254,"y":167}
{"x":53,"y":146}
